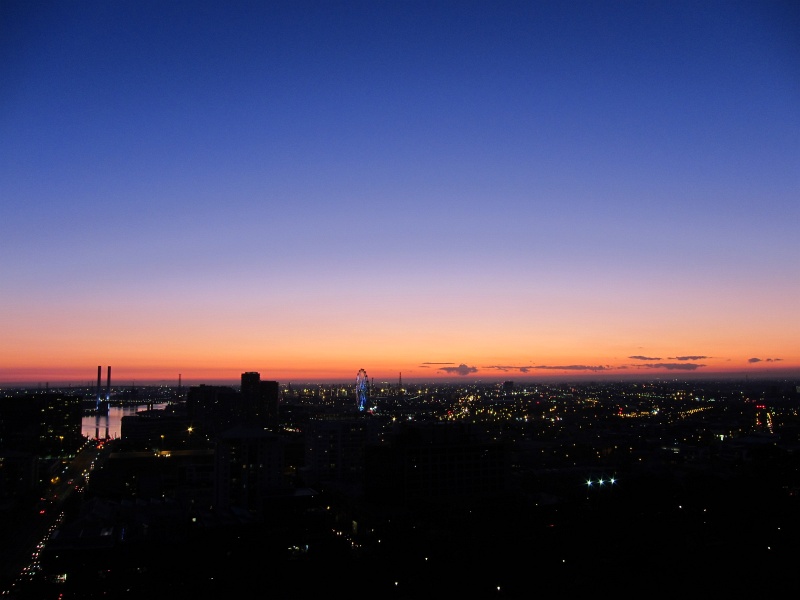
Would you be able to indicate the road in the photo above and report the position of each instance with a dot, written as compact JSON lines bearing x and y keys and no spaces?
{"x":28,"y":527}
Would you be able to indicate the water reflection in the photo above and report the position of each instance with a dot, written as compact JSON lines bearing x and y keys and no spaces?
{"x":96,"y":426}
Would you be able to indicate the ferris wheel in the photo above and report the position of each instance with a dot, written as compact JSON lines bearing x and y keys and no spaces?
{"x":362,"y":384}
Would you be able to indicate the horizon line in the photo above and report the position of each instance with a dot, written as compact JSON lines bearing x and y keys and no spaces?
{"x":528,"y":379}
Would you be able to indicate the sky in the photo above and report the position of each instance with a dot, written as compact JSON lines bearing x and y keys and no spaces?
{"x":427,"y":190}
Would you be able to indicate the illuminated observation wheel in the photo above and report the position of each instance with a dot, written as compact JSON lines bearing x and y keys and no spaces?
{"x":361,"y":389}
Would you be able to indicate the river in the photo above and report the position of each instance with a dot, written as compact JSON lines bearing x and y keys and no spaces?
{"x":109,"y":426}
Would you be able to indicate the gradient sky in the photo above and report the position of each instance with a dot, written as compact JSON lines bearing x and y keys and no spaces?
{"x":484,"y":190}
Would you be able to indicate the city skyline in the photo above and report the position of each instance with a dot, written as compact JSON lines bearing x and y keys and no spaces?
{"x":447,"y":190}
{"x":387,"y":381}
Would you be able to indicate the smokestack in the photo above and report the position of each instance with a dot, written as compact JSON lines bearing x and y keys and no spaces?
{"x":108,"y":385}
{"x":99,"y":371}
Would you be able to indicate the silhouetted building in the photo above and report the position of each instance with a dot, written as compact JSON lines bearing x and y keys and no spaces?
{"x":251,"y":381}
{"x":35,"y":433}
{"x":335,"y":451}
{"x":214,"y":409}
{"x":259,"y":401}
{"x":210,"y":408}
{"x":18,"y":476}
{"x":47,"y":424}
{"x":154,"y":429}
{"x":249,"y":469}
{"x":186,"y":476}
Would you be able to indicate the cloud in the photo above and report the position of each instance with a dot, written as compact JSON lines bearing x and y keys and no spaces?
{"x":673,"y":366}
{"x":774,"y":359}
{"x":522,"y":369}
{"x":645,"y":357}
{"x":527,"y":368}
{"x":572,"y":367}
{"x":753,"y":360}
{"x":688,"y":357}
{"x":461,"y":369}
{"x":756,"y":360}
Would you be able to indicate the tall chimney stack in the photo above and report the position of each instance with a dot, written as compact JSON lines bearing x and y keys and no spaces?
{"x":99,"y":373}
{"x":108,"y":385}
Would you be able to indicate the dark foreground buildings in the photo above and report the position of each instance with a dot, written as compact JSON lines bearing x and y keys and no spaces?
{"x":450,"y":491}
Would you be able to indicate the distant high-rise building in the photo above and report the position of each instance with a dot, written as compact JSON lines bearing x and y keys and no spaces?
{"x":217,"y":408}
{"x":250,"y":383}
{"x":259,"y":400}
{"x":249,"y":469}
{"x":210,"y":407}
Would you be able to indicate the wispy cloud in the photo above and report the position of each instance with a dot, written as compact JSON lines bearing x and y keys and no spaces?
{"x":522,"y":369}
{"x":572,"y":367}
{"x":672,"y":366}
{"x":645,"y":357}
{"x":688,"y":357}
{"x":757,"y":360}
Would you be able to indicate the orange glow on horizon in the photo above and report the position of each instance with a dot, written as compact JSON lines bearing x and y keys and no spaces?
{"x":124,"y":375}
